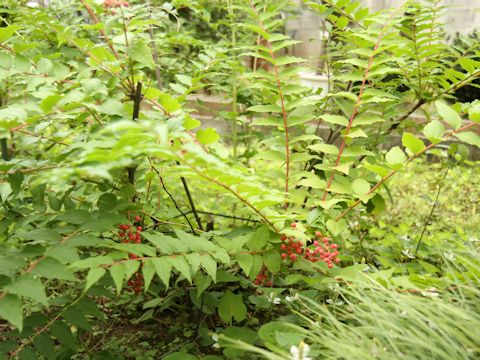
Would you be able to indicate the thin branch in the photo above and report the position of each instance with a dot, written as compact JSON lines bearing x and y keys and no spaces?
{"x":235,"y":193}
{"x":427,"y":220}
{"x":190,"y":201}
{"x":357,"y":105}
{"x":95,"y":19}
{"x":171,"y":196}
{"x":223,"y":215}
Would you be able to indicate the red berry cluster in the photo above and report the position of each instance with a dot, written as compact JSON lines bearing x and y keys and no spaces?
{"x":115,"y":3}
{"x":320,"y":250}
{"x":132,"y":234}
{"x":262,"y":278}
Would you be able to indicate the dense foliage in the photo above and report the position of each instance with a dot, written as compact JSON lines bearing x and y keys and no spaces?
{"x":119,"y":208}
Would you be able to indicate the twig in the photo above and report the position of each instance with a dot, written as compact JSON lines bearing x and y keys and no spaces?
{"x":170,"y":196}
{"x":223,"y":215}
{"x":427,"y":220}
{"x":190,"y":201}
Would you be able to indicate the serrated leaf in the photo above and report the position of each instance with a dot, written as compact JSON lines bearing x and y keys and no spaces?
{"x":181,"y":264}
{"x":207,"y":136}
{"x":313,"y":182}
{"x":209,"y":265}
{"x":93,"y":276}
{"x":360,"y":186}
{"x":148,"y":271}
{"x":168,"y":102}
{"x":11,"y":309}
{"x":231,"y":307}
{"x":259,"y":238}
{"x":412,"y":143}
{"x":434,"y":131}
{"x":245,"y":261}
{"x":190,"y":123}
{"x":272,"y":261}
{"x":28,"y":286}
{"x":163,"y":267}
{"x":448,"y":114}
{"x":141,"y":53}
{"x":395,"y":156}
{"x":469,"y":137}
{"x":335,"y":119}
{"x":51,"y":268}
{"x":117,"y":272}
{"x":324,"y":148}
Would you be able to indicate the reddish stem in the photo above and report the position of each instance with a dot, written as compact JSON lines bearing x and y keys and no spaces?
{"x":356,"y":106}
{"x":95,"y":19}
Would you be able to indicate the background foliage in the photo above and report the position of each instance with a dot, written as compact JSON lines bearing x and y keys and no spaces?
{"x":121,"y":210}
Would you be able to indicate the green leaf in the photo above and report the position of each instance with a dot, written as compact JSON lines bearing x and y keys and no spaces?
{"x":336,"y":227}
{"x":335,"y":119}
{"x":395,"y":156}
{"x":168,"y":102}
{"x":93,"y":276}
{"x":231,"y":307}
{"x":448,"y":114}
{"x":324,"y":148}
{"x":28,"y":286}
{"x":313,"y":182}
{"x":245,"y":261}
{"x":469,"y":137}
{"x":207,"y":136}
{"x":5,"y":191}
{"x":259,"y":238}
{"x":412,"y":143}
{"x":117,"y":272}
{"x":7,"y":32}
{"x":272,"y":261}
{"x":209,"y":265}
{"x":44,"y":65}
{"x":12,"y":311}
{"x":265,"y":108}
{"x":180,"y":356}
{"x":51,"y":268}
{"x":190,"y":123}
{"x":148,"y":271}
{"x":44,"y":344}
{"x":49,"y":102}
{"x":342,"y":22}
{"x":360,"y":186}
{"x":141,"y":53}
{"x":163,"y":267}
{"x":434,"y":131}
{"x":181,"y":264}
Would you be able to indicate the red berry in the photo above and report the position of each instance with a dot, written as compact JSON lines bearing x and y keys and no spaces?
{"x":318,"y":233}
{"x":330,"y":265}
{"x":138,"y":218}
{"x":283,"y":256}
{"x":283,"y":237}
{"x":293,"y":225}
{"x":139,"y":228}
{"x":283,"y":246}
{"x":299,"y":251}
